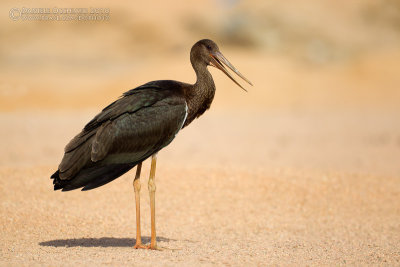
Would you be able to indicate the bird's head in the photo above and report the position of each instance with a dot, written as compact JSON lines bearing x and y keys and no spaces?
{"x":207,"y":52}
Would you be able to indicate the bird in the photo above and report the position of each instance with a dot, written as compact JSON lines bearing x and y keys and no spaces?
{"x":137,"y":126}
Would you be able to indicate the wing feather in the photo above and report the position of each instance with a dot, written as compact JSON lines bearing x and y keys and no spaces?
{"x":132,"y":136}
{"x":140,"y":97}
{"x":127,"y":131}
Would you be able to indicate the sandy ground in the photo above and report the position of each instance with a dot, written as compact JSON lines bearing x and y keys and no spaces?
{"x":271,"y":188}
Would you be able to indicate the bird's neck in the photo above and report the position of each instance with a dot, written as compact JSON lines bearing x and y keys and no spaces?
{"x":201,"y":93}
{"x":204,"y":80}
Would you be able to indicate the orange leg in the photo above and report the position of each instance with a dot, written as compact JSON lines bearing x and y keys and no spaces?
{"x":136,"y":186}
{"x":152,"y":192}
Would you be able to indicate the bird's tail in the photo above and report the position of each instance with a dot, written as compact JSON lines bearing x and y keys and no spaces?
{"x":92,"y":177}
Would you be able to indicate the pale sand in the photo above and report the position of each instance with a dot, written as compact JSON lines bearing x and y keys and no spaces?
{"x":232,"y":189}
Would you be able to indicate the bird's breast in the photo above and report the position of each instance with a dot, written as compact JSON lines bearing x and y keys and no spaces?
{"x":198,"y":105}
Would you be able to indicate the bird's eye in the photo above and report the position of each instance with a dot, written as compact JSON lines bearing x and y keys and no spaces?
{"x":209,"y":47}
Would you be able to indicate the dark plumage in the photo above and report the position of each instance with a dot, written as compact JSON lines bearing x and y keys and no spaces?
{"x":126,"y":132}
{"x":138,"y":125}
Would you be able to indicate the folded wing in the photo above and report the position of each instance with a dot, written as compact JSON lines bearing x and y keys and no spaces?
{"x":125,"y":133}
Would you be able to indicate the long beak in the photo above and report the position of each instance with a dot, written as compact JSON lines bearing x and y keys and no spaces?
{"x":216,"y":61}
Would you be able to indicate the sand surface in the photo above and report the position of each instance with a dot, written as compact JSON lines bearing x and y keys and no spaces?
{"x":232,"y":189}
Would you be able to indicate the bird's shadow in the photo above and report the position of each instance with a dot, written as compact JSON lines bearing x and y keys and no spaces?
{"x":100,"y":242}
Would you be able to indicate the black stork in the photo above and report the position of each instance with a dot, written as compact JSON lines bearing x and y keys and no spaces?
{"x":138,"y":125}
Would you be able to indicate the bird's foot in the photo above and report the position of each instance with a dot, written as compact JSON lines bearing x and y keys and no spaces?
{"x":140,"y":245}
{"x":152,"y":247}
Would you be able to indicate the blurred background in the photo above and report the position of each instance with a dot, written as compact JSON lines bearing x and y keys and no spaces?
{"x":303,"y":169}
{"x":304,"y":55}
{"x":326,"y":76}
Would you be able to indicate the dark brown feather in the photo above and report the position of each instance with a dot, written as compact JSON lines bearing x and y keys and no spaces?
{"x":125,"y":133}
